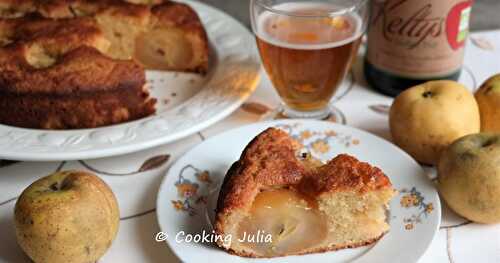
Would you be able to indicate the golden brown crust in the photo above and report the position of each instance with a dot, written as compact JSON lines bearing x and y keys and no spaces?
{"x":64,"y":8}
{"x":116,"y":8}
{"x":153,"y":14}
{"x":76,"y":87}
{"x":82,"y":70}
{"x":75,"y":112}
{"x":270,"y":161}
{"x":68,"y":96}
{"x":16,"y":8}
{"x":344,"y":172}
{"x":30,"y":30}
{"x":176,"y":15}
{"x":57,"y":52}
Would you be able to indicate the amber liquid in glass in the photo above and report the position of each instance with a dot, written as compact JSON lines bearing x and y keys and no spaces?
{"x":307,"y":58}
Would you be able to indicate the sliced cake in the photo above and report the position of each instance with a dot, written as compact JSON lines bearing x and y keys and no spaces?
{"x":160,"y":34}
{"x":69,"y":64}
{"x":273,"y":203}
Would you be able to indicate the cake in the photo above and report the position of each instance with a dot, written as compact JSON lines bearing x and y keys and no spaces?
{"x":68,"y":64}
{"x":303,"y":205}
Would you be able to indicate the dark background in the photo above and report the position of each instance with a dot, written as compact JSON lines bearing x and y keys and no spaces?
{"x":485,"y":13}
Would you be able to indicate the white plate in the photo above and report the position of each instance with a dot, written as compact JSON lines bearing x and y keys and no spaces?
{"x":187,"y":193}
{"x":187,"y":103}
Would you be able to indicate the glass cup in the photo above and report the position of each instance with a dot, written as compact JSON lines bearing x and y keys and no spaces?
{"x":307,"y":48}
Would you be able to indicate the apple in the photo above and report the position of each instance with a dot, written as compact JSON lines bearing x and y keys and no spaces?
{"x":469,"y":177}
{"x":488,"y":99}
{"x":69,"y":216}
{"x":426,"y":118}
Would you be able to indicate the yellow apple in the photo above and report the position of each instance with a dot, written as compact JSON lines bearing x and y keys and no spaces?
{"x":469,"y":177}
{"x":426,"y":118}
{"x":488,"y":99}
{"x":66,"y":217}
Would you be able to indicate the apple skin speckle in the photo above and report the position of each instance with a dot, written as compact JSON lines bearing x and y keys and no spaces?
{"x":58,"y":216}
{"x":469,"y":177}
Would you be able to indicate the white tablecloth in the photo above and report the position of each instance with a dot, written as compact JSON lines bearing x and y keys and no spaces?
{"x":457,"y":240}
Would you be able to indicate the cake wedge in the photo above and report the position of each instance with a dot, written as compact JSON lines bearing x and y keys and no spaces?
{"x":274,"y":202}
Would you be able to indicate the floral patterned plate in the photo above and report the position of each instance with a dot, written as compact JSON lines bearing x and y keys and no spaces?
{"x":187,"y":103}
{"x":187,"y":195}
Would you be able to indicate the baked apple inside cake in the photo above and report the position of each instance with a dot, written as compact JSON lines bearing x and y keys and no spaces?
{"x":164,"y":36}
{"x":292,"y":221}
{"x":275,"y":204}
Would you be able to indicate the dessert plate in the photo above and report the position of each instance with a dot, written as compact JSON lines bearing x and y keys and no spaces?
{"x":187,"y":103}
{"x":187,"y":195}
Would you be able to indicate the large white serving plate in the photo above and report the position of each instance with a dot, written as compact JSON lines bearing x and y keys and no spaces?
{"x":187,"y":195}
{"x":187,"y":103}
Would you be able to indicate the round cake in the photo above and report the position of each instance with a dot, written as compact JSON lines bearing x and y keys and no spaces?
{"x":80,"y":64}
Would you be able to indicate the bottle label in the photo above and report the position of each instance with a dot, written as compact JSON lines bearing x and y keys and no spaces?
{"x":418,"y":38}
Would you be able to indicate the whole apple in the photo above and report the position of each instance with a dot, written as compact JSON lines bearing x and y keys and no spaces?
{"x":426,"y":118}
{"x":68,"y":216}
{"x":488,"y":99}
{"x":469,"y":177}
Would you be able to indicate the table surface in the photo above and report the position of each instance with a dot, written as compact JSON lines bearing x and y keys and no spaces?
{"x":457,"y":240}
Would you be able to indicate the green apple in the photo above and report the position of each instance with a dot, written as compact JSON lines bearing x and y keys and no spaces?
{"x":488,"y":99}
{"x":469,"y":177}
{"x":68,"y":216}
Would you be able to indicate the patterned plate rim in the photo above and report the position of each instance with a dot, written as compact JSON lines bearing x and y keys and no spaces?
{"x":417,"y":202}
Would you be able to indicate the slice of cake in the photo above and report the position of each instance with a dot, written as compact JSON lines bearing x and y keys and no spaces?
{"x":273,"y":203}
